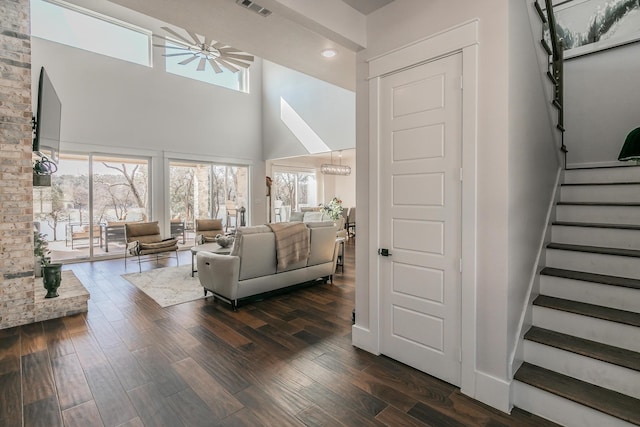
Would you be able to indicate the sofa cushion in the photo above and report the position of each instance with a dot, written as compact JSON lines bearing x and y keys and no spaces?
{"x":139,"y":229}
{"x":256,"y":247}
{"x":323,"y":238}
{"x":312,"y":216}
{"x":296,"y":217}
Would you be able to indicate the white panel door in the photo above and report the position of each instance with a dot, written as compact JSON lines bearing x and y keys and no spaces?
{"x":420,"y":216}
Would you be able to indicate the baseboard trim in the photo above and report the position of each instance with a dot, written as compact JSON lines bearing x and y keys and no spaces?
{"x":364,"y":339}
{"x":493,"y":391}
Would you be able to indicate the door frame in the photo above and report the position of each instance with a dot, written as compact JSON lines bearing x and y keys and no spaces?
{"x":464,"y":39}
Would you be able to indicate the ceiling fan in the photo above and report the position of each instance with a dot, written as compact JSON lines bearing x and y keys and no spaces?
{"x":219,"y":55}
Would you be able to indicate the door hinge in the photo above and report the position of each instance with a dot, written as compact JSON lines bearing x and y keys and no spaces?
{"x":461,"y":83}
{"x":460,"y":265}
{"x":460,"y":174}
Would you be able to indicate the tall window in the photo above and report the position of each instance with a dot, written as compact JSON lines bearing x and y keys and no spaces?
{"x":88,"y":194}
{"x":77,"y":27}
{"x":207,"y":190}
{"x":296,"y":189}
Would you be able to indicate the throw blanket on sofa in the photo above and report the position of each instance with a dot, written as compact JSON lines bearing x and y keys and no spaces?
{"x":292,"y":243}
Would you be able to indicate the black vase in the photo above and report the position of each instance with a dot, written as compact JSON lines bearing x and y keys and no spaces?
{"x":51,"y":278}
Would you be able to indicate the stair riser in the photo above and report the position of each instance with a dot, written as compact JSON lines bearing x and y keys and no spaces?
{"x":560,"y":410}
{"x":613,"y":377}
{"x":617,"y":297}
{"x":599,"y":214}
{"x":593,"y":236}
{"x":601,"y":193}
{"x":611,"y":333}
{"x":594,"y":263}
{"x":621,"y":174}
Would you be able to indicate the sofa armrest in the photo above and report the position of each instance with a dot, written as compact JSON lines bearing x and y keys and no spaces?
{"x":219,"y":273}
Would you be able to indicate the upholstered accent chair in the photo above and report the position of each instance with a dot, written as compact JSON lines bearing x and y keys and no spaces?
{"x":207,"y":230}
{"x":144,"y":238}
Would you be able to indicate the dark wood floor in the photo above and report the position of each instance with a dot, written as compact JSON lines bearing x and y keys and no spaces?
{"x":284,"y":361}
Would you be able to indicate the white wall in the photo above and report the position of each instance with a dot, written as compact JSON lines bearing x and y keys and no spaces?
{"x":329,"y":110}
{"x":602,"y":104}
{"x":534,"y":158}
{"x":115,"y":106}
{"x":399,"y":24}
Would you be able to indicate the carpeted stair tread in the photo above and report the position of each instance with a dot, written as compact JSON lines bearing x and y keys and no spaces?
{"x":595,"y":249}
{"x":604,"y":279}
{"x":601,"y":399}
{"x":591,"y":310}
{"x":593,"y":349}
{"x":596,"y":225}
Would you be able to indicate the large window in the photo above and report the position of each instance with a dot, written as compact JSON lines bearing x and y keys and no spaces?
{"x":82,"y":213}
{"x":296,"y":189}
{"x":71,"y":25}
{"x":207,"y":190}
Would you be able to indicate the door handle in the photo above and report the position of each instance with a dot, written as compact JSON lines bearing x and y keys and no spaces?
{"x":384,"y":252}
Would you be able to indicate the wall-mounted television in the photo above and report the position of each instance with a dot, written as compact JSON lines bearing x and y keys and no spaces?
{"x":47,"y":120}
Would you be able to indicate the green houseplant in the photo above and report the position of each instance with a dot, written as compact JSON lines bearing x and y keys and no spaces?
{"x":51,"y":272}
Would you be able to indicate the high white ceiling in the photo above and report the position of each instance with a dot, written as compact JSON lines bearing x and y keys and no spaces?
{"x":293,"y":35}
{"x":367,"y":6}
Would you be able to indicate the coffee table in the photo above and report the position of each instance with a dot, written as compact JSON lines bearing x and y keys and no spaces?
{"x":208,"y":247}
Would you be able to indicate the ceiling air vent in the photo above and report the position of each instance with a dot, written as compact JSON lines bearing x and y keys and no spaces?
{"x":253,"y":6}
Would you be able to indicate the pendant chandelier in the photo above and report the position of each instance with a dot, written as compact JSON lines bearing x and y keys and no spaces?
{"x":333,"y":169}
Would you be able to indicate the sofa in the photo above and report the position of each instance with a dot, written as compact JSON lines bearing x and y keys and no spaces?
{"x":253,"y":267}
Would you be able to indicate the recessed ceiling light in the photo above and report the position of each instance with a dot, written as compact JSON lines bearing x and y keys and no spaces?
{"x":329,"y":53}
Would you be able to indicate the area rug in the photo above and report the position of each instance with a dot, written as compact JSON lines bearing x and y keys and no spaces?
{"x":167,"y":286}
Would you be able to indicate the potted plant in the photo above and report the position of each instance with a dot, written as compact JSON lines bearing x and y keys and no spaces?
{"x":40,"y":252}
{"x":333,"y":209}
{"x":51,"y":272}
{"x":42,"y":170}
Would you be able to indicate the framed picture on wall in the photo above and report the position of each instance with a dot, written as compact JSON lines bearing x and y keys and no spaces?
{"x":588,"y":26}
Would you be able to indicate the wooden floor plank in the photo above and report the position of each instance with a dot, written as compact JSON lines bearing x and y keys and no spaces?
{"x":153,"y":407}
{"x":112,"y":401}
{"x":43,"y":413}
{"x":58,"y":339}
{"x":11,"y":399}
{"x":84,"y":415}
{"x":220,"y":402}
{"x":71,"y":384}
{"x":37,"y":378}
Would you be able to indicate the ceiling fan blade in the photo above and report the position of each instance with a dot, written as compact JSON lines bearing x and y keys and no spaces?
{"x":177,"y":54}
{"x":234,"y":61}
{"x":171,"y":47}
{"x":228,"y":66}
{"x":218,"y":45}
{"x":202,"y":64}
{"x":184,"y":39}
{"x":195,"y":37}
{"x":248,"y":58}
{"x":215,"y":66}
{"x":229,"y":49}
{"x":188,"y":60}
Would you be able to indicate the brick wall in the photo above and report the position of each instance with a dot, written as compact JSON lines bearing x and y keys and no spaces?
{"x":16,"y":192}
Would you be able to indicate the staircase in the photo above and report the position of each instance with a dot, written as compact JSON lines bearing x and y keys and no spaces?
{"x":582,"y":354}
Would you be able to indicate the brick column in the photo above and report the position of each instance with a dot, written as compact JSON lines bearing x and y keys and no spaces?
{"x":16,"y":191}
